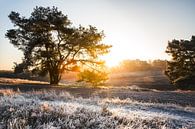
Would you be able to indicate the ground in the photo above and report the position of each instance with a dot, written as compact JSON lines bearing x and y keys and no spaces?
{"x":34,"y":104}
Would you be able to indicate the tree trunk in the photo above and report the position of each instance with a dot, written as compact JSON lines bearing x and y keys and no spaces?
{"x":54,"y":77}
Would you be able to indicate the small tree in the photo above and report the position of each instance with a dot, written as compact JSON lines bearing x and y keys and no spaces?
{"x":93,"y":77}
{"x":181,"y":69}
{"x":52,"y":45}
{"x":94,"y":74}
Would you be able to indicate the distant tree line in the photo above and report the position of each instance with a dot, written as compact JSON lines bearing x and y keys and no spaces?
{"x":139,"y":65}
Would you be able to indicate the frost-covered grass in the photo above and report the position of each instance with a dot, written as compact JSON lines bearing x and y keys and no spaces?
{"x":60,"y":110}
{"x":4,"y":92}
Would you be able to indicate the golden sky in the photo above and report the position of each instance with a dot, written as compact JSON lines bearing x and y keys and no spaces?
{"x":137,"y":29}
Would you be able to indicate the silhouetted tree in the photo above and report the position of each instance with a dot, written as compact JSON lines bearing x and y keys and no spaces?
{"x":52,"y":45}
{"x":181,"y":69}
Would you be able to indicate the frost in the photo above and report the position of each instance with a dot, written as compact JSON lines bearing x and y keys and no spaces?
{"x":60,"y":110}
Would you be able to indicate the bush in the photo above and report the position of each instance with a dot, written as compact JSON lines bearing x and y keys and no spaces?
{"x":93,"y":77}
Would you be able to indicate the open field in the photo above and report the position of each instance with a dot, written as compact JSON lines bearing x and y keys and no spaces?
{"x":60,"y":110}
{"x":37,"y":105}
{"x":145,"y":79}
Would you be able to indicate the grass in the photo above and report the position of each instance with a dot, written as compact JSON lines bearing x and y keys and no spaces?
{"x":61,"y":110}
{"x":34,"y":104}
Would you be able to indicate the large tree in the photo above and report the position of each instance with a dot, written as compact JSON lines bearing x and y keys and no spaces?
{"x":52,"y":45}
{"x":181,"y":68}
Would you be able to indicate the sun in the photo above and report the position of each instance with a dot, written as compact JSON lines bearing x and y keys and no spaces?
{"x":111,"y":63}
{"x":112,"y":59}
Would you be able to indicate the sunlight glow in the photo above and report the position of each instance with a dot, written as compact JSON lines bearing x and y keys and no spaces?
{"x":135,"y":32}
{"x":128,"y":45}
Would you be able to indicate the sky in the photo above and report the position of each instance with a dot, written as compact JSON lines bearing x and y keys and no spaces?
{"x":137,"y":29}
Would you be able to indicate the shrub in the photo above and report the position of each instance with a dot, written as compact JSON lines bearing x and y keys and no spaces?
{"x":93,"y":77}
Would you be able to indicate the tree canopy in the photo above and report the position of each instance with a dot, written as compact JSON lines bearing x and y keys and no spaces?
{"x":51,"y":44}
{"x":181,"y":68}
